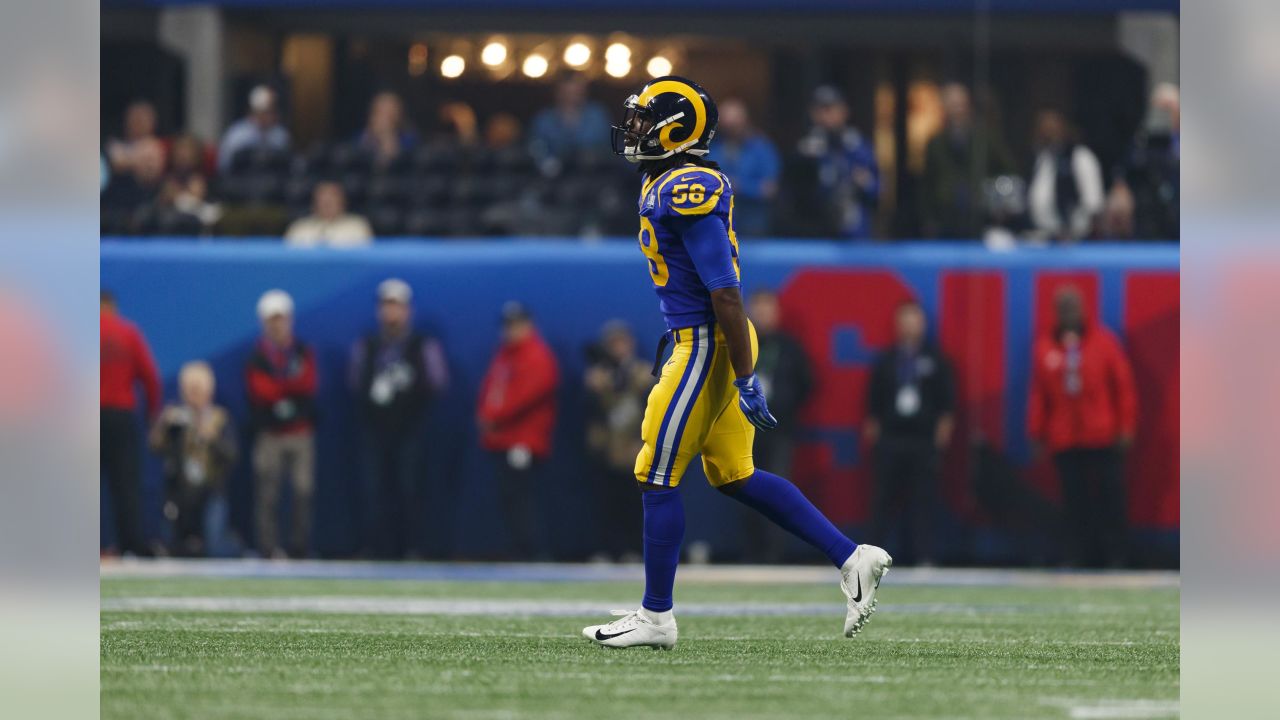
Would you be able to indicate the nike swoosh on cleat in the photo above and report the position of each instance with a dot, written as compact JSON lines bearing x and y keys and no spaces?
{"x":856,"y":598}
{"x":602,"y":636}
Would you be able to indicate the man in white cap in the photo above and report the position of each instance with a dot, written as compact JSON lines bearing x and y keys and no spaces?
{"x":395,"y":373}
{"x":261,"y":128}
{"x":281,"y":382}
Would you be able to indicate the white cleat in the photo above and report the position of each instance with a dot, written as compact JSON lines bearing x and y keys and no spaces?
{"x":860,"y":580}
{"x":633,"y":629}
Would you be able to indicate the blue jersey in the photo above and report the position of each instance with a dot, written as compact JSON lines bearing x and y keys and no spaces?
{"x":686,"y":234}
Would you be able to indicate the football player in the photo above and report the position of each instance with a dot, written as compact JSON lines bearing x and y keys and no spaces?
{"x":708,"y":400}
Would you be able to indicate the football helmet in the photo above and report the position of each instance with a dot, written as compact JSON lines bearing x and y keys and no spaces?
{"x":669,"y":115}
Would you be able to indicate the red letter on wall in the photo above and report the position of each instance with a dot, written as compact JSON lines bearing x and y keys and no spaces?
{"x":842,"y":317}
{"x":1151,"y":316}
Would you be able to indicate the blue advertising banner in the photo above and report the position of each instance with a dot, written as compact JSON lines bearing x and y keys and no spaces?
{"x":197,"y":300}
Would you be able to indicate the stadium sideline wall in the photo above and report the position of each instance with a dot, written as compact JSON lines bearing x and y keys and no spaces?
{"x":196,"y":300}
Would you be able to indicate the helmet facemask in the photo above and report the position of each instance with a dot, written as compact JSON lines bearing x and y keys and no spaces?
{"x":633,"y":138}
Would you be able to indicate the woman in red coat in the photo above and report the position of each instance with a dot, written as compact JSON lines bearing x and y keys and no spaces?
{"x":1083,"y":410}
{"x":516,"y":415}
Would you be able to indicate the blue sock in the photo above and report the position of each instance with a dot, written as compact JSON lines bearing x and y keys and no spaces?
{"x":783,"y":503}
{"x":663,"y":533}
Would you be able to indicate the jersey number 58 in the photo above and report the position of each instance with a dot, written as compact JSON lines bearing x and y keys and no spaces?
{"x":684,"y":192}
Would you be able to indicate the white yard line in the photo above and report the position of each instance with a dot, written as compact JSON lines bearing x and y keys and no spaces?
{"x":1082,"y":709}
{"x":567,"y":572}
{"x":355,"y":605}
{"x":429,"y":606}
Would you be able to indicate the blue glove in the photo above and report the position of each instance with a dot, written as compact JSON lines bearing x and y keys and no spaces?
{"x":751,"y":400}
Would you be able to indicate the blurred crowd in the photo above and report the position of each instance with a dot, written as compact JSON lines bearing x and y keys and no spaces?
{"x":556,"y":178}
{"x":1081,"y":416}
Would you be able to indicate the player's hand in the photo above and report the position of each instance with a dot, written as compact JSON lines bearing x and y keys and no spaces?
{"x":751,"y":400}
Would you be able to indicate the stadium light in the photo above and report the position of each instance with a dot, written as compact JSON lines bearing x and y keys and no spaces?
{"x":618,"y":68}
{"x":494,"y":54}
{"x":658,"y":66}
{"x":618,"y":53}
{"x":535,"y":66}
{"x":452,"y":66}
{"x":577,"y":54}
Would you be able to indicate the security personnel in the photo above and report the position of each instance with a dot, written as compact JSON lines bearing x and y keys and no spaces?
{"x":909,"y":420}
{"x":395,"y":373}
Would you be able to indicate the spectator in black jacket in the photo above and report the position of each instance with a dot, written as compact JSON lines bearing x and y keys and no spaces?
{"x":784,"y":370}
{"x":1144,"y":198}
{"x":395,"y":373}
{"x":957,"y":160}
{"x":909,"y":420}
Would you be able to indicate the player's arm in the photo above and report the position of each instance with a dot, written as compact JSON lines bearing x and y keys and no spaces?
{"x":731,"y":316}
{"x":708,"y":244}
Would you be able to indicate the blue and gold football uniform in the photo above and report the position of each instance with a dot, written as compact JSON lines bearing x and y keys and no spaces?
{"x":686,"y":234}
{"x":699,"y":406}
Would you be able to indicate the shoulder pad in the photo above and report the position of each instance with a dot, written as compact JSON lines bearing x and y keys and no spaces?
{"x":690,"y":191}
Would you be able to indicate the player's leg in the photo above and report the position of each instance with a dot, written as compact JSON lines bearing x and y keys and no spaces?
{"x":675,"y":423}
{"x":663,"y":536}
{"x":727,"y":460}
{"x":861,"y":566}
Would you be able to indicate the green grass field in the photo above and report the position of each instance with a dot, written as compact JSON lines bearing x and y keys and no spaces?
{"x":226,"y":647}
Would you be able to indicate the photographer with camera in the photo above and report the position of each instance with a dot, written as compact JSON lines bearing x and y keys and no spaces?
{"x":617,"y":382}
{"x":197,"y":441}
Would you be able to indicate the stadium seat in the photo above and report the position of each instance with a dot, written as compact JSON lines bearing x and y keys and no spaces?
{"x":400,"y":165}
{"x":588,"y":163}
{"x":509,"y":185}
{"x":557,"y":222}
{"x":259,"y":161}
{"x":348,"y":158}
{"x":355,"y":184}
{"x":574,"y":191}
{"x":174,"y":222}
{"x":252,"y":188}
{"x":386,"y":189}
{"x":115,"y":220}
{"x":387,"y":220}
{"x":436,"y":158}
{"x":515,"y":160}
{"x":463,"y":222}
{"x":472,"y":191}
{"x":429,"y":191}
{"x":477,"y":160}
{"x":297,"y":190}
{"x":312,"y":163}
{"x":424,"y":223}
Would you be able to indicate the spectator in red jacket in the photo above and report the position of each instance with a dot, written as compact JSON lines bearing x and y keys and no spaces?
{"x":125,"y":362}
{"x":516,"y":416}
{"x":281,"y":381}
{"x":1083,"y":410}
